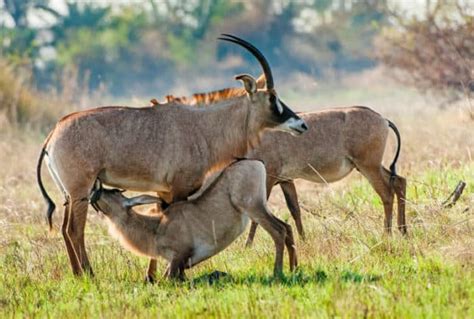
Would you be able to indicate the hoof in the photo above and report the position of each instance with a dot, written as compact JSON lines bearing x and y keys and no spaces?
{"x":149,"y":279}
{"x":216,"y":276}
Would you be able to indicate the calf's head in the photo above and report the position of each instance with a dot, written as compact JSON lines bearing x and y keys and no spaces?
{"x":112,"y":201}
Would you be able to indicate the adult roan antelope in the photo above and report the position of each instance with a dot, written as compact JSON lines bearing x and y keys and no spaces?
{"x":189,"y":232}
{"x":167,"y":150}
{"x":338,"y":140}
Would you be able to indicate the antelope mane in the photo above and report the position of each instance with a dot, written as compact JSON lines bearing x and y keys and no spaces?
{"x":208,"y":98}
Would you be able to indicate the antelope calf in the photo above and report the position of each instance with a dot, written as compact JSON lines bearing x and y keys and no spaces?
{"x":167,"y":150}
{"x":338,"y":140}
{"x":191,"y":231}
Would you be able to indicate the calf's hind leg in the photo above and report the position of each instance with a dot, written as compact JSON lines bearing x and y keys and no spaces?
{"x":291,"y":198}
{"x":253,"y":227}
{"x":290,"y":244}
{"x":277,"y":231}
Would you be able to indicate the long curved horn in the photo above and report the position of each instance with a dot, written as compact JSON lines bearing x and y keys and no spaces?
{"x":263,"y":62}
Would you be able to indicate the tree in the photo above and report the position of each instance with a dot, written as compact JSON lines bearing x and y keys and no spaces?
{"x":436,"y":51}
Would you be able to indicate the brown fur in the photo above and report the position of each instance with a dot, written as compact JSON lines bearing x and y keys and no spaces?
{"x":189,"y":232}
{"x":165,"y":149}
{"x":338,"y":140}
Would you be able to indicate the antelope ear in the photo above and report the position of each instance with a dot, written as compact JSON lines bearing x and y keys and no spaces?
{"x":249,"y":83}
{"x":141,"y":200}
{"x":261,"y":81}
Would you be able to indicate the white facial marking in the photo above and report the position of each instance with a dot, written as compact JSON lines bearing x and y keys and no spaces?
{"x":292,"y":125}
{"x":279,"y":106}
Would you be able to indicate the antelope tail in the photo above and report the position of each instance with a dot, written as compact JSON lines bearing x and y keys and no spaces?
{"x":393,"y":170}
{"x":49,"y":201}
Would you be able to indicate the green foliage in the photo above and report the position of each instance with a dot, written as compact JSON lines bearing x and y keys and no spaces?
{"x":119,"y":46}
{"x":79,"y":17}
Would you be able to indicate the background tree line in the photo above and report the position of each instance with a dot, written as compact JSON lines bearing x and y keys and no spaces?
{"x":151,"y":46}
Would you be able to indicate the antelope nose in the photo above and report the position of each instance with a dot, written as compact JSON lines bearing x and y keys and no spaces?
{"x":304,"y":126}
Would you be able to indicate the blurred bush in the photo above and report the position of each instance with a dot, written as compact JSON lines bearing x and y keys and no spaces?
{"x":436,"y":49}
{"x":19,"y":102}
{"x":22,"y":104}
{"x":136,"y":49}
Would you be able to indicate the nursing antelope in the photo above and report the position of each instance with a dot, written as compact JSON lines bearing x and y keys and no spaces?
{"x":338,"y":140}
{"x":189,"y":232}
{"x":167,"y":150}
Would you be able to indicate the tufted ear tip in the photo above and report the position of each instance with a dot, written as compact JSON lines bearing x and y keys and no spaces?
{"x":249,"y":82}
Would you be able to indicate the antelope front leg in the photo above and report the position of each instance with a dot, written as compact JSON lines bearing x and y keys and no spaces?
{"x":291,"y":198}
{"x":151,"y":272}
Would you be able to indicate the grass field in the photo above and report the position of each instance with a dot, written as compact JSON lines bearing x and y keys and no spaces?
{"x":348,"y":268}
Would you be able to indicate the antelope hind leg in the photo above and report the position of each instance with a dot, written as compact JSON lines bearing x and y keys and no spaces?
{"x":380,"y":181}
{"x":73,"y":232}
{"x":73,"y":257}
{"x":400,"y":187}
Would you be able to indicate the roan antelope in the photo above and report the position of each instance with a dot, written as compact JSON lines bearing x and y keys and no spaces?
{"x":191,"y":231}
{"x":167,"y":150}
{"x":338,"y":140}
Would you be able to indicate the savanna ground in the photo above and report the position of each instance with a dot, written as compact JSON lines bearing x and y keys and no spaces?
{"x":348,"y":268}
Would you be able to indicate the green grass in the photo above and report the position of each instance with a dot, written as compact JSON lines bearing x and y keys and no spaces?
{"x":391,"y":282}
{"x":347,"y":267}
